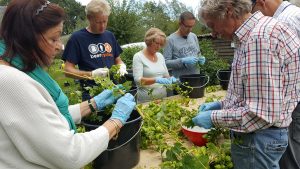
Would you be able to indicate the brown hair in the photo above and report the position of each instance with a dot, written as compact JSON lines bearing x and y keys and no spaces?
{"x":186,"y":16}
{"x":23,"y":24}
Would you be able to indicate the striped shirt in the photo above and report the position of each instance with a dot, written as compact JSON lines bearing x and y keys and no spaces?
{"x":289,"y":14}
{"x":265,"y":79}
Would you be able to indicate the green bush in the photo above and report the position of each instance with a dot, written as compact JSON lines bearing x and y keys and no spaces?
{"x":127,"y":55}
{"x":213,"y":62}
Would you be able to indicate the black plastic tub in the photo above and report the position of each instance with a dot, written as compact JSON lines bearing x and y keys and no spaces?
{"x":197,"y":82}
{"x":224,"y":77}
{"x":127,"y":77}
{"x":133,"y":90}
{"x":124,"y":152}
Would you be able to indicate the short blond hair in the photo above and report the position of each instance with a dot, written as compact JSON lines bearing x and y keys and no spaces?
{"x":97,"y":6}
{"x":152,"y":34}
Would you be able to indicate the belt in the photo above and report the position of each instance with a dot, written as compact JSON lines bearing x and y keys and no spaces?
{"x":272,"y":127}
{"x":275,"y":127}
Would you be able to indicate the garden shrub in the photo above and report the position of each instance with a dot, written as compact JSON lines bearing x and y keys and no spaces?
{"x":127,"y":55}
{"x":213,"y":62}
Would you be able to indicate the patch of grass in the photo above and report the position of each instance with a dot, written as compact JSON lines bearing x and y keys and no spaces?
{"x":68,"y":85}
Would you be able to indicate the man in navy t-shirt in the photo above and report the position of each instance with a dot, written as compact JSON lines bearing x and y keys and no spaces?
{"x":93,"y":49}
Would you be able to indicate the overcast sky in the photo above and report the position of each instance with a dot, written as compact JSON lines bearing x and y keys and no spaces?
{"x":189,"y":3}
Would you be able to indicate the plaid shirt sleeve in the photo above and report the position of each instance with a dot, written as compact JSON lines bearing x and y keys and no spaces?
{"x":263,"y":88}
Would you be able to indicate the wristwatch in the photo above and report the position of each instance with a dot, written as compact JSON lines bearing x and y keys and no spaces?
{"x":93,"y":110}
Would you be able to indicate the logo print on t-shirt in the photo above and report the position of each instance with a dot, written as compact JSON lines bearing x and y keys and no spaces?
{"x":101,"y":47}
{"x":100,"y":50}
{"x":93,"y":49}
{"x":108,"y":48}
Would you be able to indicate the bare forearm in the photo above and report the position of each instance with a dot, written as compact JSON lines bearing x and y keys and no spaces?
{"x":113,"y":127}
{"x":78,"y":74}
{"x":147,"y":81}
{"x":85,"y":109}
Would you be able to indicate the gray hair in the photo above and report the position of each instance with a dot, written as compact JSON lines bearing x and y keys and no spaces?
{"x":152,"y":34}
{"x":97,"y":6}
{"x":217,"y":8}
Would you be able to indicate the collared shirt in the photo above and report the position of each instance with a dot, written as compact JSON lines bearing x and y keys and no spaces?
{"x":289,"y":14}
{"x":264,"y":86}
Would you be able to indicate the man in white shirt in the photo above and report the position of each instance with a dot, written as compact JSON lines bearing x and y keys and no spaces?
{"x":288,"y":13}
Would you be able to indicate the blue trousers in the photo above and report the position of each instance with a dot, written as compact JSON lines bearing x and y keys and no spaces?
{"x":261,"y":149}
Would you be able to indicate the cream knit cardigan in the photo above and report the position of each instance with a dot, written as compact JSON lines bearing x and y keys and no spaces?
{"x":33,"y":133}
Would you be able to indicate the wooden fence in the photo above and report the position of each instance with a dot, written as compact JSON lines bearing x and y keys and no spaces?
{"x":223,"y":48}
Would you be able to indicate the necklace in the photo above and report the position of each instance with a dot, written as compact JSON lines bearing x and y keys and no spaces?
{"x":153,"y":58}
{"x":149,"y":56}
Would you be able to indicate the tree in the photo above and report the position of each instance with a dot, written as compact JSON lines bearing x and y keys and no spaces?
{"x":75,"y":12}
{"x":154,"y":15}
{"x":123,"y":20}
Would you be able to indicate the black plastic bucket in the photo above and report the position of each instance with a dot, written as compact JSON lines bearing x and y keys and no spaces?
{"x":124,"y":152}
{"x":223,"y":76}
{"x":129,"y":77}
{"x":197,"y":82}
{"x":133,"y":90}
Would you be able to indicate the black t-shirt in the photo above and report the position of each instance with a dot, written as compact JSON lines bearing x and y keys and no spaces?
{"x":91,"y":51}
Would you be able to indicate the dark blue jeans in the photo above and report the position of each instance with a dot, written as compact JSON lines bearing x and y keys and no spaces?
{"x":261,"y":149}
{"x":291,"y":157}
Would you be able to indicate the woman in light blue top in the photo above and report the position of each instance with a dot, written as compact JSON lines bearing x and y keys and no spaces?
{"x":149,"y":68}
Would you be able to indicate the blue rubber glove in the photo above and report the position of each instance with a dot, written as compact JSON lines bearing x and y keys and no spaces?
{"x":162,"y":80}
{"x":203,"y":119}
{"x":201,"y":60}
{"x":210,"y":106}
{"x":119,"y":86}
{"x":173,"y":79}
{"x":104,"y":99}
{"x":191,"y":60}
{"x":123,"y":108}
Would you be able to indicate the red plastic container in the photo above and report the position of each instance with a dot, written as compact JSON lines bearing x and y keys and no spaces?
{"x":195,"y":135}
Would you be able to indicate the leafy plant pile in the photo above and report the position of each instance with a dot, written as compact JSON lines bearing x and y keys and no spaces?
{"x":162,"y":117}
{"x":211,"y":156}
{"x":161,"y":132}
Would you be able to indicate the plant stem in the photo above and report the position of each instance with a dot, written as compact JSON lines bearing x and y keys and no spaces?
{"x":74,"y":74}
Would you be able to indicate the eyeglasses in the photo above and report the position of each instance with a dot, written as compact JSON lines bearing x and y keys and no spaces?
{"x":187,"y":26}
